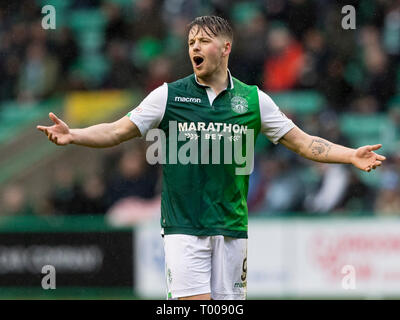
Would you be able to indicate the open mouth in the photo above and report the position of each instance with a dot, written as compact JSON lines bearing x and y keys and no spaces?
{"x":198,"y":60}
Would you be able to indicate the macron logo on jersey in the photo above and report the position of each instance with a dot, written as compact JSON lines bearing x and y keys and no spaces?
{"x":184,"y":99}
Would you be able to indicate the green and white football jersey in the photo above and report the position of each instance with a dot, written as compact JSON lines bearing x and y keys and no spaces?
{"x":204,"y":194}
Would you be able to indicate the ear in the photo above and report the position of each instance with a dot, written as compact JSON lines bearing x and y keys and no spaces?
{"x":227,"y":48}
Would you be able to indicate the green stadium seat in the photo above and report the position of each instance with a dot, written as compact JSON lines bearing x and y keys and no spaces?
{"x":122,"y":3}
{"x":92,"y":67}
{"x":363,"y":124}
{"x":85,"y":20}
{"x":90,"y":41}
{"x":372,"y":179}
{"x":303,"y":102}
{"x":15,"y":116}
{"x":147,"y":49}
{"x":244,"y":12}
{"x":394,"y":102}
{"x":57,"y":4}
{"x":15,"y":112}
{"x":362,"y":128}
{"x":309,"y":175}
{"x":398,"y":80}
{"x":365,"y":129}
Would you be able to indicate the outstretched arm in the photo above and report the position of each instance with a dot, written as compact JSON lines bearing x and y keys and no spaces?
{"x":98,"y":136}
{"x":321,"y":150}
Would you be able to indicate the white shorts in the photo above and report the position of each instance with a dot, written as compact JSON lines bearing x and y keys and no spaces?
{"x":207,"y":264}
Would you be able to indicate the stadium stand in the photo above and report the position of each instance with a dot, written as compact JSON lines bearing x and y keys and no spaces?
{"x":330,"y":89}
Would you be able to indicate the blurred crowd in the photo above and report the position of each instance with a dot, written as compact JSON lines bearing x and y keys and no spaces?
{"x":279,"y":45}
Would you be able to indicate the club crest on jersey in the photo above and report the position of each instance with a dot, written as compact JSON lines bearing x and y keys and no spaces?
{"x":239,"y":104}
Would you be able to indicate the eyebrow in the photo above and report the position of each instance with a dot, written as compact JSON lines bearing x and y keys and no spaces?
{"x":200,"y":38}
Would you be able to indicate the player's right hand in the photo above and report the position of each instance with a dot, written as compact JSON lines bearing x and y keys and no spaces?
{"x":58,"y":133}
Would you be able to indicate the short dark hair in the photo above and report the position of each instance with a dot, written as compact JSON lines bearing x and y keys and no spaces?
{"x":216,"y":25}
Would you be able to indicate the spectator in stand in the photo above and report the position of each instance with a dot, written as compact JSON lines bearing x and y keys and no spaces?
{"x":145,"y":11}
{"x":334,"y":180}
{"x":175,"y":48}
{"x":365,"y":105}
{"x":160,"y":71}
{"x":134,"y":177}
{"x":14,"y":201}
{"x":90,"y":196}
{"x":358,"y":197}
{"x":380,"y":77}
{"x":333,"y":84}
{"x":63,"y":198}
{"x":284,"y":190}
{"x":9,"y":70}
{"x":315,"y":59}
{"x":249,"y":53}
{"x":391,"y":31}
{"x":117,"y":27}
{"x":39,"y":74}
{"x":285,"y":60}
{"x":66,"y":50}
{"x":301,"y":16}
{"x":18,"y":37}
{"x":388,"y":198}
{"x":37,"y":34}
{"x":122,"y":74}
{"x":84,"y":4}
{"x":265,"y":170}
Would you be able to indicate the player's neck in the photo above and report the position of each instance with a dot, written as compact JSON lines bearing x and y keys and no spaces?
{"x":218,"y":81}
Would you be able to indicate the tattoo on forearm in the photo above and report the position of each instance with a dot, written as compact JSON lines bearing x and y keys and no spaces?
{"x":319,"y":147}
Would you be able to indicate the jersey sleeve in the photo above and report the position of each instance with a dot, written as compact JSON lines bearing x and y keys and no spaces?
{"x":149,"y":113}
{"x":274,"y":123}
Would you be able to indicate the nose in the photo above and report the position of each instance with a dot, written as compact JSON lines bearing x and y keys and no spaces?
{"x":196,"y":46}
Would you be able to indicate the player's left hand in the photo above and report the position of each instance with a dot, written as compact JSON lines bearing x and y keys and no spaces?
{"x":366,"y":159}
